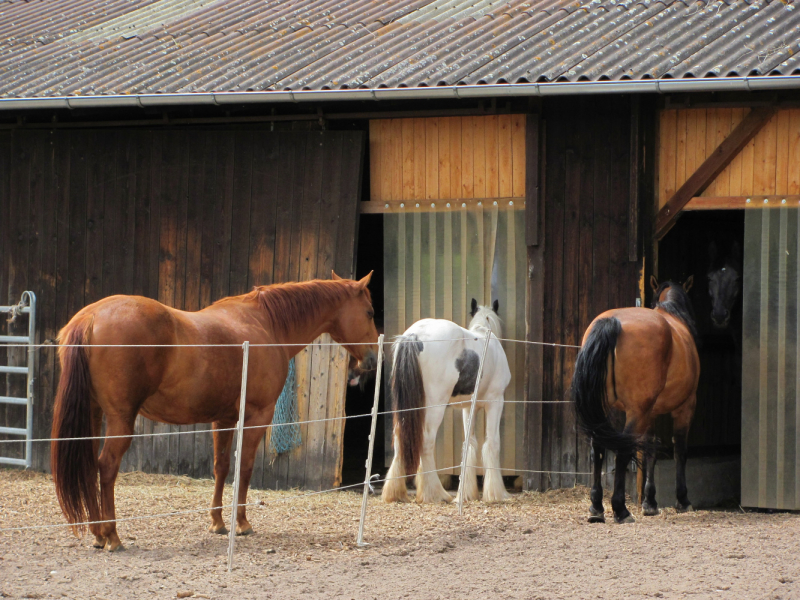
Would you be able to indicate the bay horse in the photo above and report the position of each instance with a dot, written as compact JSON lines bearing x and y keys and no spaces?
{"x":430,"y":373}
{"x":186,"y":385}
{"x":654,"y":366}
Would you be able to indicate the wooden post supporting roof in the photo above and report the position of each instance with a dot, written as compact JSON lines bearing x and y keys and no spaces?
{"x":711,"y":167}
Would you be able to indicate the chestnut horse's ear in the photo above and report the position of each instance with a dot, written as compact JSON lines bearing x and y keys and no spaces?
{"x":364,"y":281}
{"x":654,"y":283}
{"x":334,"y":276}
{"x":687,"y":285}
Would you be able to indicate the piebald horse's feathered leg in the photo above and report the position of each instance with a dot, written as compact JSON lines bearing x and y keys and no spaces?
{"x":493,"y":488}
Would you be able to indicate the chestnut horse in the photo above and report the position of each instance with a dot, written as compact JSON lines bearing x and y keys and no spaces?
{"x":186,"y":385}
{"x":652,"y":357}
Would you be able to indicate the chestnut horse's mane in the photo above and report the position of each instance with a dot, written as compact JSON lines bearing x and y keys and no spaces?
{"x":287,"y":304}
{"x":678,"y":305}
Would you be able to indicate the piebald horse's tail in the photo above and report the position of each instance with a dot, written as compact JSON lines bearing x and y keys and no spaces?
{"x":408,"y":393}
{"x":73,"y":461}
{"x":589,"y":387}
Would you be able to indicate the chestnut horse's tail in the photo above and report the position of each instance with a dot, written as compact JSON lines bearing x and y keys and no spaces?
{"x":73,"y":461}
{"x":589,"y":389}
{"x":408,"y":393}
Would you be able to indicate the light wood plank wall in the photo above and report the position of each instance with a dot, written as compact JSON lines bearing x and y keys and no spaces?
{"x":769,"y":164}
{"x":447,"y":157}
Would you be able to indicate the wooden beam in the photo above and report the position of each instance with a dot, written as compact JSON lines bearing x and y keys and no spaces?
{"x":379,"y":207}
{"x":711,"y":167}
{"x":742,"y":202}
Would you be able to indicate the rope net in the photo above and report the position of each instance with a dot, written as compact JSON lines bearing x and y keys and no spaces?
{"x":285,"y":435}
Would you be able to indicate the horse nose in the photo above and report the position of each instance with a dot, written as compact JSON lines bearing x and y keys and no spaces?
{"x":369,"y":362}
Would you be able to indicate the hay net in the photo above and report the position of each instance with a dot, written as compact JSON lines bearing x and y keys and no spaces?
{"x":285,"y":435}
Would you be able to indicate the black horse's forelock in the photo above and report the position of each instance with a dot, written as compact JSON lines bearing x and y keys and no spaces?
{"x":678,"y":305}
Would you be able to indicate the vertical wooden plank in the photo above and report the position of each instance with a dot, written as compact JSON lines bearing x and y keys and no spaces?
{"x":765,"y":158}
{"x":680,"y":157}
{"x":242,"y":189}
{"x":376,"y":160}
{"x":456,"y":158}
{"x":492,"y":156}
{"x":748,"y":163}
{"x":445,"y":157}
{"x":100,"y":171}
{"x":420,"y":164}
{"x":351,"y":165}
{"x":730,"y":180}
{"x":115,"y":191}
{"x":407,"y":132}
{"x":700,"y":151}
{"x":431,"y":159}
{"x":793,"y":166}
{"x":519,"y":162}
{"x":479,"y":157}
{"x":633,"y":185}
{"x":711,"y":144}
{"x":467,"y":157}
{"x":668,"y":156}
{"x":532,"y":193}
{"x":782,"y":153}
{"x":505,"y":170}
{"x":395,"y":147}
{"x":692,"y":117}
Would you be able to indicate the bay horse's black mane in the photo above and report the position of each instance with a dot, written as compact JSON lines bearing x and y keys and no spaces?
{"x":678,"y":305}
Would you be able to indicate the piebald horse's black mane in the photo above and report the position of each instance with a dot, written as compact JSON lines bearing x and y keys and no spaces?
{"x":678,"y":305}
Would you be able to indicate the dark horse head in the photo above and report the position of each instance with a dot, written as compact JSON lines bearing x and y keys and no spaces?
{"x":673,"y":298}
{"x":723,"y":284}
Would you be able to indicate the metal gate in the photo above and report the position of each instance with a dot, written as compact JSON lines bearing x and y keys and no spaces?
{"x":26,"y":306}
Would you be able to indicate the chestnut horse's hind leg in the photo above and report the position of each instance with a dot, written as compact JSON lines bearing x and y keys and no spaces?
{"x":649,"y":504}
{"x":596,"y":510}
{"x":97,"y":427}
{"x":110,"y":458}
{"x":250,"y":441}
{"x":222,"y":464}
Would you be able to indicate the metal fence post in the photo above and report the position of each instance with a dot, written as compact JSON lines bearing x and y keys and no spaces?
{"x":468,"y":433}
{"x":238,"y":471}
{"x":368,"y":465}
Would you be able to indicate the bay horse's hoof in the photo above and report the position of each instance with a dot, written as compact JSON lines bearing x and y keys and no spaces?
{"x":218,"y":530}
{"x":650,"y":511}
{"x":682,"y":508}
{"x":622,"y":520}
{"x":596,"y":515}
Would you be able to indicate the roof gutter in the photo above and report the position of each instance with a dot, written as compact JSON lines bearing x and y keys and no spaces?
{"x":567,"y":88}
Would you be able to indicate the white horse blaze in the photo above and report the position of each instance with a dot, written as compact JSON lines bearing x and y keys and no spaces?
{"x":449,"y":370}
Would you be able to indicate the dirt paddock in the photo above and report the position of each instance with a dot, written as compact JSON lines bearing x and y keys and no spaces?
{"x":534,"y":546}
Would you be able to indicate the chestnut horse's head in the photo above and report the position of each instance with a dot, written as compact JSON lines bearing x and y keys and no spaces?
{"x":354,"y":327}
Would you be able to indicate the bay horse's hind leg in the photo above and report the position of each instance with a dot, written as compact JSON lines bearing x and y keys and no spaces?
{"x":681,"y":419}
{"x":623,"y":458}
{"x":110,"y":458}
{"x":649,"y":504}
{"x":222,"y":464}
{"x":596,"y":510}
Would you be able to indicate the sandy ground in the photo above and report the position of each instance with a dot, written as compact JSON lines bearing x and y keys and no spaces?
{"x":534,"y":546}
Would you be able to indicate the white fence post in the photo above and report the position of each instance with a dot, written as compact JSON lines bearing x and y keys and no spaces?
{"x":368,"y":465}
{"x":238,"y":471}
{"x":468,"y":433}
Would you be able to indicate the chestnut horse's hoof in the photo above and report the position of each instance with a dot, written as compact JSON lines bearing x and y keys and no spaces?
{"x":220,"y":530}
{"x":114,"y":546}
{"x":246,"y":531}
{"x":682,"y":508}
{"x":627,"y":519}
{"x":99,"y":542}
{"x":596,"y":515}
{"x":650,"y":511}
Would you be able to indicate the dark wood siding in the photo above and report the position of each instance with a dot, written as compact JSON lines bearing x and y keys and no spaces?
{"x":579,"y":269}
{"x":185,"y":217}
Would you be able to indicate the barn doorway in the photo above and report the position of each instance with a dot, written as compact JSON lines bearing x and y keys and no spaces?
{"x":369,"y":257}
{"x":701,"y":241}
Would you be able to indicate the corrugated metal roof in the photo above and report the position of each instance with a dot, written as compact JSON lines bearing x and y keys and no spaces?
{"x":79,"y":48}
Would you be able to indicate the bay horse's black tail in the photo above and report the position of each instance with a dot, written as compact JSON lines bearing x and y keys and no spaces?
{"x":73,"y":461}
{"x":408,"y":393}
{"x":589,"y":388}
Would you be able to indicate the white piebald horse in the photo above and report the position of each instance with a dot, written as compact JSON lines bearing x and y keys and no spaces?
{"x":431,"y":374}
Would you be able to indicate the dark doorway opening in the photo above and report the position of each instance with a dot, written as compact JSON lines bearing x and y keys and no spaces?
{"x":685,"y":251}
{"x":369,"y":257}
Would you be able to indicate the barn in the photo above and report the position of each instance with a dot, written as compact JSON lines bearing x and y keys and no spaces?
{"x":551,"y":155}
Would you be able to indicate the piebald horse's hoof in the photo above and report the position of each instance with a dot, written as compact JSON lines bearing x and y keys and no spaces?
{"x":627,"y":519}
{"x":218,"y":530}
{"x":596,"y":516}
{"x":650,"y":511}
{"x":682,"y":509}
